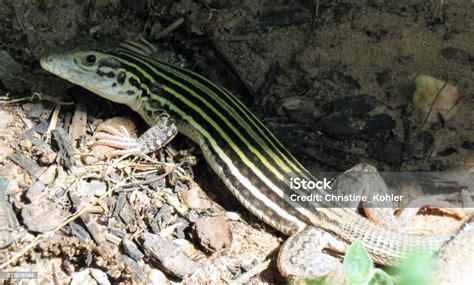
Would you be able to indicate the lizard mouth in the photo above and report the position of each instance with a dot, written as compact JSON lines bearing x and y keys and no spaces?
{"x":47,"y":62}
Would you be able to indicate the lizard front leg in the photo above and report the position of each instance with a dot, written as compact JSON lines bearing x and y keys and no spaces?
{"x":153,"y":139}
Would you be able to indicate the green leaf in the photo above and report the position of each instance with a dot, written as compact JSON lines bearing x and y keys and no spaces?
{"x":379,"y":277}
{"x":314,"y":282}
{"x":300,"y":281}
{"x":418,"y":269}
{"x":357,"y":264}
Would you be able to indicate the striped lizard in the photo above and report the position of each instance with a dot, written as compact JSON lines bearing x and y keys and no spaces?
{"x":246,"y":156}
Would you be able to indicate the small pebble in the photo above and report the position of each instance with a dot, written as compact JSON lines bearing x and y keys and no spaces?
{"x":94,"y":187}
{"x":430,"y":100}
{"x":36,"y":111}
{"x":41,"y":128}
{"x":78,"y":231}
{"x":156,"y":277}
{"x":5,"y":150}
{"x":169,"y":255}
{"x":26,"y":144}
{"x":100,"y":276}
{"x":27,"y":106}
{"x":47,"y":156}
{"x":48,"y":176}
{"x":191,"y":198}
{"x":6,"y":120}
{"x":131,"y":249}
{"x":41,"y":216}
{"x":89,"y":159}
{"x":35,"y":190}
{"x":82,"y":277}
{"x":139,"y":275}
{"x":233,"y":216}
{"x":213,"y":233}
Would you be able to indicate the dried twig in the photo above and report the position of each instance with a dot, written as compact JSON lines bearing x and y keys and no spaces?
{"x":433,"y":103}
{"x":247,"y":276}
{"x":50,"y":233}
{"x":170,"y":28}
{"x":4,"y":100}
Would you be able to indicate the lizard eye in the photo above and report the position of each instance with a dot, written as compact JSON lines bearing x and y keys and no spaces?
{"x":90,"y":59}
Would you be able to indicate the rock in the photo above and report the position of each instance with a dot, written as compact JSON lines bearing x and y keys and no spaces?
{"x":41,"y":216}
{"x":157,"y":277}
{"x":5,"y":120}
{"x":127,"y":214}
{"x":41,"y":128}
{"x":434,"y":96}
{"x":93,"y":187}
{"x":339,"y":80}
{"x":301,"y":109}
{"x":346,"y":126}
{"x":5,"y":150}
{"x":351,"y":118}
{"x":131,"y":249}
{"x":355,"y":105}
{"x":89,"y":160}
{"x":46,"y":156}
{"x":191,"y":198}
{"x":27,"y":163}
{"x":9,"y":224}
{"x":82,"y":277}
{"x":35,"y":191}
{"x":78,"y":231}
{"x":100,"y":276}
{"x":213,"y":233}
{"x":36,"y":111}
{"x":158,"y":182}
{"x":168,"y":255}
{"x":139,"y":274}
{"x":26,"y":145}
{"x":48,"y":176}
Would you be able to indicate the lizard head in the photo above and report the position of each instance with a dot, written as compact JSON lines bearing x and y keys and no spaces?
{"x":98,"y":68}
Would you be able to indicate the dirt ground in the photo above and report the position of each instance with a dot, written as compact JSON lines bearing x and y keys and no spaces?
{"x":334,"y":80}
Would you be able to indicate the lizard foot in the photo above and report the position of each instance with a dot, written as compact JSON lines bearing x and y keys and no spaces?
{"x":117,"y":138}
{"x":301,"y":255}
{"x":153,"y":139}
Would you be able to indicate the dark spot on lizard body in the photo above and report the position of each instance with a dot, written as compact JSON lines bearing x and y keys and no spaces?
{"x":109,"y":74}
{"x":134,"y":82}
